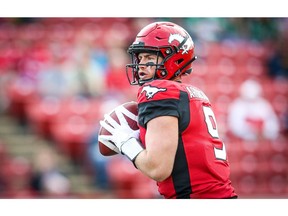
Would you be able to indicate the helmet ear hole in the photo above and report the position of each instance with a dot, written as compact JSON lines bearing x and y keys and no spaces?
{"x":179,"y":61}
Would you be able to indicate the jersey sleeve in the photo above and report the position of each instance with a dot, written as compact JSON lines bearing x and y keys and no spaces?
{"x":158,"y":98}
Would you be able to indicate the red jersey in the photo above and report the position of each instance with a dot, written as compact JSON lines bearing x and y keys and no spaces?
{"x":201,"y":168}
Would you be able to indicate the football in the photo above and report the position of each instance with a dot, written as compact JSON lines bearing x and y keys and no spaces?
{"x":133,"y":123}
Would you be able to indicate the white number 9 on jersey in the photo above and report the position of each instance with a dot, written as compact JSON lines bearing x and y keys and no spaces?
{"x":213,"y":131}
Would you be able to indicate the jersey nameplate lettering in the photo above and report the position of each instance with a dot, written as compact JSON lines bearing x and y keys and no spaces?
{"x":195,"y":93}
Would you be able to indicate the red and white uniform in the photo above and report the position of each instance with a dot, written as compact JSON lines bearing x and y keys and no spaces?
{"x":201,"y":168}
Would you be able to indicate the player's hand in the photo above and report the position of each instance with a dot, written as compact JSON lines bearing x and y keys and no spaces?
{"x":122,"y":135}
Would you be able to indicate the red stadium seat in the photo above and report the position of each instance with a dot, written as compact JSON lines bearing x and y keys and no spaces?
{"x":277,"y":185}
{"x":279,"y":146}
{"x":128,"y":182}
{"x":41,"y":113}
{"x":20,"y":94}
{"x":17,"y":174}
{"x":72,"y":136}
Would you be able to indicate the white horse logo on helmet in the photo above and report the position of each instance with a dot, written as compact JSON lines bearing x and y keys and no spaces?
{"x":186,"y":46}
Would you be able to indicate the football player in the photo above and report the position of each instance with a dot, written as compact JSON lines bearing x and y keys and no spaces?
{"x":178,"y":144}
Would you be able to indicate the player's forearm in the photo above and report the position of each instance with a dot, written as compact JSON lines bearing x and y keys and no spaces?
{"x":152,"y":168}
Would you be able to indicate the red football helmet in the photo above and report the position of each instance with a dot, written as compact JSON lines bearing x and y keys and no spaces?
{"x":167,"y":40}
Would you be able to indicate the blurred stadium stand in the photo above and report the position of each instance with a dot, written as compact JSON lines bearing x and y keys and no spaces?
{"x":56,"y":74}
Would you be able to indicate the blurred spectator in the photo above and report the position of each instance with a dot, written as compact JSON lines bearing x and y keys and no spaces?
{"x":250,"y":116}
{"x":47,"y":180}
{"x":256,"y":29}
{"x":278,"y":62}
{"x":91,"y":70}
{"x":57,"y":79}
{"x":204,"y":29}
{"x":99,"y":163}
{"x":116,"y":81}
{"x":16,"y":173}
{"x":4,"y":157}
{"x":5,"y":80}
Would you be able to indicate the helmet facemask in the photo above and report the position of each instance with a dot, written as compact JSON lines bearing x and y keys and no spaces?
{"x":133,"y":68}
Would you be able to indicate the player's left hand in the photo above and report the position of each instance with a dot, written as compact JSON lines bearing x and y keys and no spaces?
{"x":122,"y":135}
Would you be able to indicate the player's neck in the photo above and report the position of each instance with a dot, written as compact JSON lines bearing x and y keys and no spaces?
{"x":177,"y":79}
